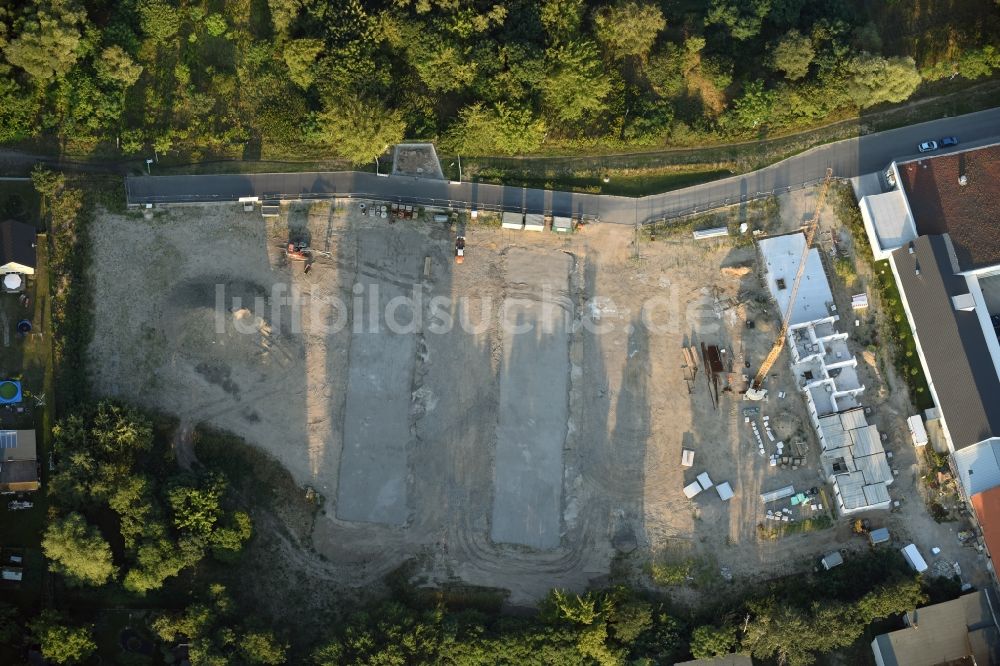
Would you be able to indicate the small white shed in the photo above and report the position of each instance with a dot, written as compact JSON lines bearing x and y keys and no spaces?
{"x":705,"y":481}
{"x":725,"y":491}
{"x":687,"y":458}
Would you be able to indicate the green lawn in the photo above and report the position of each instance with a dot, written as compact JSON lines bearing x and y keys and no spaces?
{"x":904,"y":348}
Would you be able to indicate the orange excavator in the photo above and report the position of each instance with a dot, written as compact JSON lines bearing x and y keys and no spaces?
{"x":757,"y":390}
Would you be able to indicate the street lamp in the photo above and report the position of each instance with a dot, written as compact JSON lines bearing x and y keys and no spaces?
{"x":376,"y":166}
{"x":148,"y":162}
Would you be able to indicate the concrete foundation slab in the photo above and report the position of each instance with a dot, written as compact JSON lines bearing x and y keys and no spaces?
{"x":373,"y":463}
{"x":534,"y":384}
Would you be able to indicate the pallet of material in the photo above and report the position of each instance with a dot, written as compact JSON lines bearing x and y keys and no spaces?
{"x":779,"y":494}
{"x":711,"y":233}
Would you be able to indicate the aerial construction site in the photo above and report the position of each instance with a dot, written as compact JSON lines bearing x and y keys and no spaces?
{"x":546,"y":410}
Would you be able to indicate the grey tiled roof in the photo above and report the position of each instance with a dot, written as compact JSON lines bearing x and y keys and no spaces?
{"x":952,"y":341}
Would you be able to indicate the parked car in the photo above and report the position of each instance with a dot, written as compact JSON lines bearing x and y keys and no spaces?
{"x":949,"y":141}
{"x":927,"y":146}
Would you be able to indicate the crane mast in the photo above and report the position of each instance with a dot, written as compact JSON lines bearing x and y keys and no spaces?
{"x":756,"y":390}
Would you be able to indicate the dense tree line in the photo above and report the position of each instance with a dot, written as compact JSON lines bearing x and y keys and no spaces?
{"x":125,"y":519}
{"x":284,"y":77}
{"x":166,"y":519}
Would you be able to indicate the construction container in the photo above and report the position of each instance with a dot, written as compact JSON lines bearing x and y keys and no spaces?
{"x":779,"y":494}
{"x":917,"y":431}
{"x":831,"y":560}
{"x":692,"y":489}
{"x":512,"y":221}
{"x":914,"y":558}
{"x":881,"y":535}
{"x":534,"y":222}
{"x":562,"y":225}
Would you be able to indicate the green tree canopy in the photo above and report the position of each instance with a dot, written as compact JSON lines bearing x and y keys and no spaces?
{"x":116,"y":66}
{"x":359,"y":130}
{"x":500,"y":129}
{"x":869,"y":80}
{"x":78,"y":551}
{"x":300,"y":56}
{"x":99,"y":447}
{"x":741,"y":18}
{"x":709,"y":641}
{"x":628,"y":28}
{"x":261,"y":647}
{"x":196,"y":504}
{"x":50,"y":41}
{"x":754,"y":106}
{"x":61,"y":642}
{"x":792,"y":54}
{"x":575,"y":83}
{"x":159,"y":558}
{"x":160,"y":20}
{"x":562,"y":18}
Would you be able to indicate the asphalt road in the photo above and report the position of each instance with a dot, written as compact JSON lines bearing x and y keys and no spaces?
{"x":848,"y":158}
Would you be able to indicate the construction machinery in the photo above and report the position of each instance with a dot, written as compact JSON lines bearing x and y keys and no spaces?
{"x":756,"y":391}
{"x":298,"y":252}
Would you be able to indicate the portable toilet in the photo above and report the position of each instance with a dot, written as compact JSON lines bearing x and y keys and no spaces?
{"x":512,"y":221}
{"x":534,"y":222}
{"x":881,"y":535}
{"x":562,"y":225}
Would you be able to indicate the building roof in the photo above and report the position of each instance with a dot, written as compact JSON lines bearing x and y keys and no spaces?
{"x":978,"y":466}
{"x":18,"y":468}
{"x":19,"y":475}
{"x":890,"y":218}
{"x":17,"y":445}
{"x":952,"y":341}
{"x":944,"y":633}
{"x":987,"y":507}
{"x":17,"y":244}
{"x":725,"y":660}
{"x":782,"y":255}
{"x":969,"y":213}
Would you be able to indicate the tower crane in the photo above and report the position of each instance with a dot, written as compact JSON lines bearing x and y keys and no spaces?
{"x":757,"y":390}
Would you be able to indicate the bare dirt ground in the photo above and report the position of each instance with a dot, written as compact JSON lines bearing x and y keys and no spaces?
{"x":420,"y":437}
